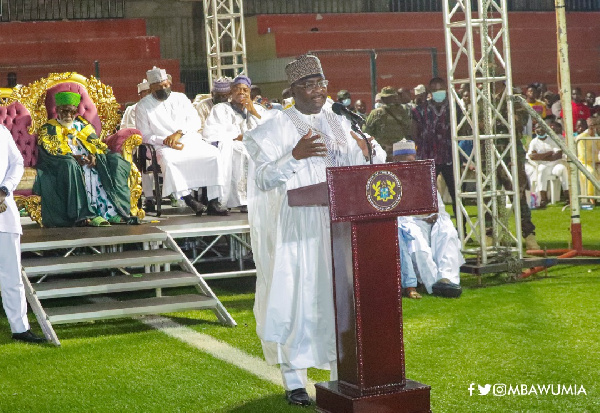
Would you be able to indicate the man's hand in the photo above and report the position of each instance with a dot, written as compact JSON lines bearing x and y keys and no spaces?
{"x":239,"y":137}
{"x":431,"y":219}
{"x":80,"y":160}
{"x":3,"y":206}
{"x":362,"y":144}
{"x":307,"y":147}
{"x":249,"y":105}
{"x":172,"y":141}
{"x":84,"y":160}
{"x":2,"y":196}
{"x":556,"y":155}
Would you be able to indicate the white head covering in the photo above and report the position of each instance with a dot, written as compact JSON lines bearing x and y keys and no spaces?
{"x":156,"y":75}
{"x":143,"y":86}
{"x":420,"y":89}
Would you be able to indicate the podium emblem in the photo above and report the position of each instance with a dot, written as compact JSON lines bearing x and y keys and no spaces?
{"x":384,"y":190}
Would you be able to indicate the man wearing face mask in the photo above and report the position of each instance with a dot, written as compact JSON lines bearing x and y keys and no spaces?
{"x":220,"y":93}
{"x":169,"y":122}
{"x":80,"y":181}
{"x":431,"y":131}
{"x":389,"y":123}
{"x":549,"y":159}
{"x":226,"y":124}
{"x":345,"y":99}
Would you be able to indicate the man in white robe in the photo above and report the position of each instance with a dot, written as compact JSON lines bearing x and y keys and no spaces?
{"x":549,"y":162}
{"x":226,"y":125}
{"x":128,"y":119}
{"x":294,"y":305}
{"x":220,"y":93}
{"x":436,"y":255}
{"x":11,"y":283}
{"x":169,"y":122}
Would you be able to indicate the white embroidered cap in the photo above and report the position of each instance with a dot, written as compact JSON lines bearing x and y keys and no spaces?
{"x":143,"y":86}
{"x":156,"y":75}
{"x":420,"y":89}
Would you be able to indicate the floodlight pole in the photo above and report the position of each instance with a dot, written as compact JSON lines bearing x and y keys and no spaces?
{"x":567,"y":108}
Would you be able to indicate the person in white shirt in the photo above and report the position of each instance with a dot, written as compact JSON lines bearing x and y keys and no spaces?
{"x":294,"y":306}
{"x":169,"y":122}
{"x":128,"y":119}
{"x":220,"y":93}
{"x":11,"y":283}
{"x":435,"y":247}
{"x":549,"y":162}
{"x":226,"y":125}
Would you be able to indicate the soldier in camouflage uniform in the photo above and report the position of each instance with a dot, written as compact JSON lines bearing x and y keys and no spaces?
{"x":389,"y":123}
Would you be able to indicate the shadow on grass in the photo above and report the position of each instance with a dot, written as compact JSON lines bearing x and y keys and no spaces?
{"x":273,"y":403}
{"x":234,"y":285}
{"x":190,"y":322}
{"x":113,"y":327}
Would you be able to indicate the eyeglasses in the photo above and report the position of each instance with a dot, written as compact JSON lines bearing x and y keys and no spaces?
{"x":310,"y":86}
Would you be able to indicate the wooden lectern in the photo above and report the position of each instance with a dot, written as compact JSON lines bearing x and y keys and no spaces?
{"x":364,"y":202}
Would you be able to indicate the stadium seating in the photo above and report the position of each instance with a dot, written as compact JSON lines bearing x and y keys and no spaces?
{"x":121,"y":47}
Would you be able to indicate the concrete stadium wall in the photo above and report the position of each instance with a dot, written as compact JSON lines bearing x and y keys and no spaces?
{"x":532,"y":38}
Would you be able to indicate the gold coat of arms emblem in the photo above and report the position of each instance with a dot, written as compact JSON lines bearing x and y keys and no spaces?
{"x":384,"y":190}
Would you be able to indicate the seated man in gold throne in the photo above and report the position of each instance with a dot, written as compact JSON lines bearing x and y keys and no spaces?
{"x":80,"y":181}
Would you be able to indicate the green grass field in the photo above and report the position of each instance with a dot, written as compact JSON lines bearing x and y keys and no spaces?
{"x":540,"y":331}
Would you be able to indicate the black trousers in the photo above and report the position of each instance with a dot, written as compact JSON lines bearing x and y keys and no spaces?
{"x":448,"y":174}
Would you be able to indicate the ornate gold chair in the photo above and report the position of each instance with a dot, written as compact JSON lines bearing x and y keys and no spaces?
{"x":29,"y":107}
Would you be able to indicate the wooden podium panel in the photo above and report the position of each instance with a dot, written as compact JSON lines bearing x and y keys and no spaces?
{"x":349,"y":188}
{"x":364,"y":203}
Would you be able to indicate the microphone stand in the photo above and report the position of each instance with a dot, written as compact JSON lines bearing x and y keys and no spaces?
{"x":356,"y":129}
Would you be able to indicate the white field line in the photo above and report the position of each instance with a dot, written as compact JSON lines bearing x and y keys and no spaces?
{"x":220,"y":350}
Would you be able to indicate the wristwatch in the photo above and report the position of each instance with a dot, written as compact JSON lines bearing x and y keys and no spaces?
{"x":5,"y":190}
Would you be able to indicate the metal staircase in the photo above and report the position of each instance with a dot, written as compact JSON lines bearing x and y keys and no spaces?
{"x":140,"y":259}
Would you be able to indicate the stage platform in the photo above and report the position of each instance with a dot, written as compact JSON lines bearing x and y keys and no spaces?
{"x":177,"y":222}
{"x":85,"y":267}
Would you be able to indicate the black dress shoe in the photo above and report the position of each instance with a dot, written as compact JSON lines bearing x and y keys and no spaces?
{"x":445,"y":288}
{"x":28,"y":337}
{"x":198,"y":207}
{"x":215,"y":208}
{"x":298,"y":397}
{"x":149,"y":206}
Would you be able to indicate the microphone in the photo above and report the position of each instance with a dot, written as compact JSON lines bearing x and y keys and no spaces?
{"x":340,"y":109}
{"x":356,"y":120}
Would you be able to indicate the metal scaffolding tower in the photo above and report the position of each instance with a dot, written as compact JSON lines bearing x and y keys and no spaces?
{"x":478,"y":59}
{"x":225,"y":38}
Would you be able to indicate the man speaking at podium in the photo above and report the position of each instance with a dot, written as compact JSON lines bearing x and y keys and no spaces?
{"x":292,"y":246}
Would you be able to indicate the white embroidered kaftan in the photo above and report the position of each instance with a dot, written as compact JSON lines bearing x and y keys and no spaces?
{"x":223,"y":125}
{"x":292,"y":247}
{"x":195,"y":166}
